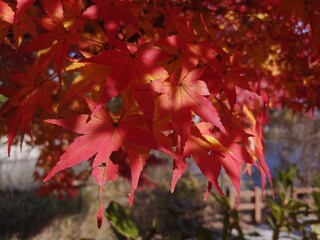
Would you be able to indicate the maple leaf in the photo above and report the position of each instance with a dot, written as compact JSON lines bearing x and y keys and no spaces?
{"x":180,"y":97}
{"x":60,"y":36}
{"x":169,"y":17}
{"x":23,"y":102}
{"x":121,"y":158}
{"x":134,"y":66}
{"x":22,"y":7}
{"x":6,"y":12}
{"x":211,"y":151}
{"x":102,"y":135}
{"x":188,"y":48}
{"x":210,"y":155}
{"x":183,"y":52}
{"x":256,"y":120}
{"x":183,"y":95}
{"x":23,"y":22}
{"x":89,"y":76}
{"x":114,"y":13}
{"x":234,"y":78}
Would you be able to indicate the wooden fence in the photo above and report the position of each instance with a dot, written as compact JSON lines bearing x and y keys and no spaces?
{"x":255,"y":201}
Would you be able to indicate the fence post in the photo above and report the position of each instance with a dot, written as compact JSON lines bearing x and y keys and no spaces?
{"x":257,"y":204}
{"x":232,"y":198}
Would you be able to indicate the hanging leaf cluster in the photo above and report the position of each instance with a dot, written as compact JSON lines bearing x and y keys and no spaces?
{"x":192,"y":79}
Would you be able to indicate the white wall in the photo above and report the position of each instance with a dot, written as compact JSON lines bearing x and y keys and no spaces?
{"x":16,"y":172}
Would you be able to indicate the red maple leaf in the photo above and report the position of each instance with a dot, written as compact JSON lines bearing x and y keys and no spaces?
{"x":89,"y":77}
{"x":35,"y":92}
{"x":183,"y":95}
{"x":210,"y":155}
{"x":256,"y":120}
{"x":114,"y":13}
{"x":102,"y":135}
{"x":211,"y":151}
{"x":180,"y":96}
{"x":134,"y":66}
{"x":60,"y":36}
{"x":6,"y":12}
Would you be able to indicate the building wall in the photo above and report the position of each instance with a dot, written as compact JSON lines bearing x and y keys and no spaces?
{"x":16,"y":172}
